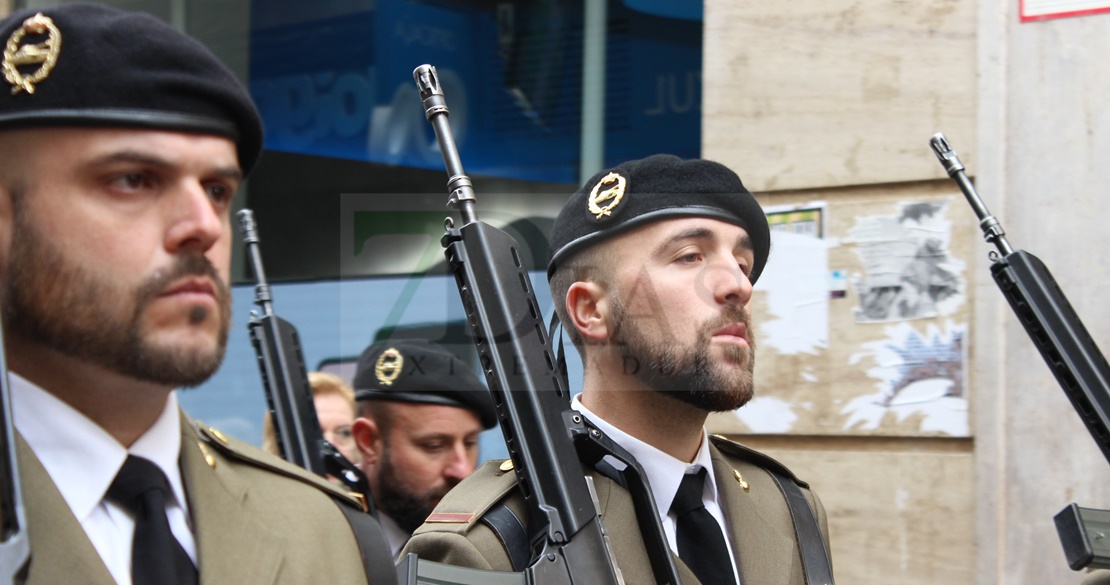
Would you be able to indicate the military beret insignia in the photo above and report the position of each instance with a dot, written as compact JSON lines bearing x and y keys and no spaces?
{"x":43,"y":53}
{"x":388,"y":366}
{"x":607,"y":195}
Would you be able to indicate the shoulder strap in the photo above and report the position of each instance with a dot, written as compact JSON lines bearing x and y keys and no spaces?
{"x":815,"y":559}
{"x":510,"y":531}
{"x":376,"y":556}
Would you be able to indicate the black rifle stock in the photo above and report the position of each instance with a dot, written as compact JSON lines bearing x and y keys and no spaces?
{"x":288,"y":394}
{"x":1061,"y":338}
{"x":547,"y":440}
{"x":15,"y":547}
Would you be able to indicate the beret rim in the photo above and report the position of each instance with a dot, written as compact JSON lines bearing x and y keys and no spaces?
{"x":576,"y":245}
{"x":152,"y":119}
{"x":487,"y":418}
{"x":414,"y":397}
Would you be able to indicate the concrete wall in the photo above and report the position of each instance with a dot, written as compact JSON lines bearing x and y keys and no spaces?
{"x":807,"y":97}
{"x":1044,"y":144}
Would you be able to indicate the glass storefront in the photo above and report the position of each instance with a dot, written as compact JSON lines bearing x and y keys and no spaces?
{"x":350,"y":194}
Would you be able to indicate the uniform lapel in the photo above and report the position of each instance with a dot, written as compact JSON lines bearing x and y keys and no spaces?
{"x":231,"y":546}
{"x":768,"y":555}
{"x":60,"y":549}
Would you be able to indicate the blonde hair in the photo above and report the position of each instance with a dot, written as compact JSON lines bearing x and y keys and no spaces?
{"x":322,"y":384}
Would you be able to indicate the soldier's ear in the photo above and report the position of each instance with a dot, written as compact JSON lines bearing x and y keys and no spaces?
{"x":588,"y":309}
{"x":368,"y":438}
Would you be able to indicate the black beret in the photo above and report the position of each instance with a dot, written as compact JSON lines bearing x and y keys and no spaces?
{"x":92,"y":65}
{"x":661,"y":186}
{"x":417,"y":370}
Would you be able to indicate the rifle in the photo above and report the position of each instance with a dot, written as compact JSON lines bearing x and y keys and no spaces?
{"x":278,"y":347}
{"x":547,"y":440}
{"x":15,"y":547}
{"x":1063,"y":341}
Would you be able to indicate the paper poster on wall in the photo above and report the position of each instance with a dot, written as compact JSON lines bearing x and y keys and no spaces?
{"x":918,"y":375}
{"x":909,"y":272}
{"x":797,"y":281}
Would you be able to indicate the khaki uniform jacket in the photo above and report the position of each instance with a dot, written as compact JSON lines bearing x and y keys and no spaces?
{"x":759,"y":521}
{"x":257,"y":520}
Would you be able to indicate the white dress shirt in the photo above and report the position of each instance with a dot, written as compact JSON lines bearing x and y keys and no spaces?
{"x":664,"y":474}
{"x":395,"y":537}
{"x":83,"y":459}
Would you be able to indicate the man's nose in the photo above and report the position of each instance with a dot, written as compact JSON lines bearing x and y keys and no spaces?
{"x":194,"y":221}
{"x":728,"y":283}
{"x":459,"y":465}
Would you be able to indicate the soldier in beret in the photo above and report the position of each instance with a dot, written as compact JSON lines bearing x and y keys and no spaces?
{"x":122,"y":143}
{"x":421,"y":410}
{"x":652,"y":272}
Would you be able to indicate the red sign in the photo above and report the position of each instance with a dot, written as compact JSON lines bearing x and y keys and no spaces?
{"x":1032,"y":10}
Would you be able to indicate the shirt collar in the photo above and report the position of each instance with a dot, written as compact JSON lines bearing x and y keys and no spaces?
{"x":664,"y":472}
{"x":81,"y":458}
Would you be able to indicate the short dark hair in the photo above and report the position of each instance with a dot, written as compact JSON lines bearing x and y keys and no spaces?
{"x":591,"y":264}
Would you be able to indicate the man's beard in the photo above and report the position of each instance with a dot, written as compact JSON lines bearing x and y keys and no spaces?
{"x":53,"y":301}
{"x":405,"y":506}
{"x":688,"y":373}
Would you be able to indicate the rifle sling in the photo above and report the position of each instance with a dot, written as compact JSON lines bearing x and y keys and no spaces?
{"x":510,"y":530}
{"x":377,"y":557}
{"x":815,"y":559}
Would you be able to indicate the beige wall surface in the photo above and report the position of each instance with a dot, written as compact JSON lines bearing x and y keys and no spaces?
{"x":818,"y":93}
{"x":1044,"y":148}
{"x":900,"y":511}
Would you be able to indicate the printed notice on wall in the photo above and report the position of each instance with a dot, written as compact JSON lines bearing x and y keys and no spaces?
{"x":1032,"y":10}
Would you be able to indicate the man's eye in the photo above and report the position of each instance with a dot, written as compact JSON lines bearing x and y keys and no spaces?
{"x":690,"y":258}
{"x":130,"y":181}
{"x":220,"y":193}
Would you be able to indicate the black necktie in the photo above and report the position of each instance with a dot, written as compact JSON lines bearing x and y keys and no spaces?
{"x":701,"y":544}
{"x":156,"y":556}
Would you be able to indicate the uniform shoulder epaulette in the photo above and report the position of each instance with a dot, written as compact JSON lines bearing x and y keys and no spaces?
{"x":467,"y":502}
{"x":210,"y":439}
{"x":730,"y":447}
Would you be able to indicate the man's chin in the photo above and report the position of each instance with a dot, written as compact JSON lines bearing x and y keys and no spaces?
{"x":731,"y":356}
{"x":177,"y":363}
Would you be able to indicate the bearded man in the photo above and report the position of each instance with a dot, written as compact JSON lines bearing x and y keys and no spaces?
{"x":652,"y":271}
{"x":122,"y":144}
{"x":421,"y":409}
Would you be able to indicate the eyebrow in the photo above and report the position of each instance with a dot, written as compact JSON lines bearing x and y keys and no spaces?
{"x":703,"y":234}
{"x":431,"y":436}
{"x":133,"y":156}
